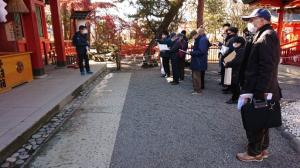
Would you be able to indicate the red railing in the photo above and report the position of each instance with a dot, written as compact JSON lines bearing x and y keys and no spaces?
{"x":290,"y":53}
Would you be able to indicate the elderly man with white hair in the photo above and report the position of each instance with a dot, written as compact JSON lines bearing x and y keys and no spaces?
{"x":199,"y":59}
{"x":261,"y":91}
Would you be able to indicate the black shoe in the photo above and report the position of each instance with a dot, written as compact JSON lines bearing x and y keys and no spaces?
{"x":232,"y":101}
{"x":174,"y":83}
{"x":163,"y":76}
{"x":226,"y":90}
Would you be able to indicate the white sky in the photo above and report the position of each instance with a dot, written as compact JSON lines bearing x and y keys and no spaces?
{"x":122,"y":10}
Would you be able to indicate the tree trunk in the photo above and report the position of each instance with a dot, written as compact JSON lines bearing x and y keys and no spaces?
{"x":175,"y":6}
{"x":200,"y":12}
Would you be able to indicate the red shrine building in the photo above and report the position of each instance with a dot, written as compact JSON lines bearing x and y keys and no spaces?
{"x":25,"y":47}
{"x":286,"y":20}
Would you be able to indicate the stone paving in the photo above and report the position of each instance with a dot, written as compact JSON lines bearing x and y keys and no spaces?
{"x":25,"y":106}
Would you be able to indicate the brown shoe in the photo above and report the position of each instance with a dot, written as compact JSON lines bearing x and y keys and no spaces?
{"x":265,"y":154}
{"x":247,"y":158}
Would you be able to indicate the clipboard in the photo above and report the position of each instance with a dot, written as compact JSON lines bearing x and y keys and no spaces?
{"x":230,"y":57}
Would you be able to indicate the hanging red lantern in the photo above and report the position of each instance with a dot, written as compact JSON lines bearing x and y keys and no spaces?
{"x":3,"y":11}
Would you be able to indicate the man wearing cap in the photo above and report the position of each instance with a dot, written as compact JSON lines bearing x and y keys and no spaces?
{"x":260,"y":79}
{"x":80,"y":42}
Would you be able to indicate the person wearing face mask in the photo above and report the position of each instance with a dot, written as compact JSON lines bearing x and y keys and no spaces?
{"x":260,"y":79}
{"x":235,"y":64}
{"x":80,"y":41}
{"x":220,"y":44}
{"x":232,"y":34}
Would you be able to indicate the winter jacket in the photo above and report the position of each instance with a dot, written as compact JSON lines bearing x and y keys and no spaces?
{"x":260,"y":75}
{"x":200,"y":53}
{"x":235,"y":64}
{"x":80,"y":42}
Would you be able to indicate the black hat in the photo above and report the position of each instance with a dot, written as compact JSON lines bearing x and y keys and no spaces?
{"x":172,"y":35}
{"x":180,"y":35}
{"x":239,"y":40}
{"x":233,"y":29}
{"x":81,"y":27}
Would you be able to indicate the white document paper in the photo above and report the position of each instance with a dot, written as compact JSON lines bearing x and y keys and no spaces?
{"x":242,"y":100}
{"x":224,"y":49}
{"x":228,"y":76}
{"x":163,"y":47}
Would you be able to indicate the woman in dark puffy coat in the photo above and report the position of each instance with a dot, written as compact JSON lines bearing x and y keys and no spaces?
{"x":235,"y":64}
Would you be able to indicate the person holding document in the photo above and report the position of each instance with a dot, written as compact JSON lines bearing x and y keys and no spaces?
{"x":235,"y":64}
{"x":260,"y":82}
{"x":232,"y":34}
{"x":199,"y":59}
{"x":165,"y":54}
{"x":176,"y":46}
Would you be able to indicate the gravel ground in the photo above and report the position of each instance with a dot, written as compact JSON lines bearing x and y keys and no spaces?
{"x":165,"y":126}
{"x":291,"y":118}
{"x":290,"y":85}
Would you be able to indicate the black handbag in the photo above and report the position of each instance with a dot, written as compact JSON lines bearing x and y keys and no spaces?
{"x":257,"y":114}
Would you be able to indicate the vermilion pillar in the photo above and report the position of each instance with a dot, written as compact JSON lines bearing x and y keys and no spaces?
{"x":33,"y":39}
{"x":280,"y":22}
{"x":58,"y":33}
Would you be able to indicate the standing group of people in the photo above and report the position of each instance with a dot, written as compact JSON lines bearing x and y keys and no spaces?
{"x":254,"y":84}
{"x":232,"y":43}
{"x":178,"y":45}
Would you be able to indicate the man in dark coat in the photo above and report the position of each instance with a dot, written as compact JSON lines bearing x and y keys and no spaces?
{"x":199,"y":59}
{"x":235,"y":64}
{"x":260,"y":77}
{"x":80,"y":42}
{"x":175,"y":47}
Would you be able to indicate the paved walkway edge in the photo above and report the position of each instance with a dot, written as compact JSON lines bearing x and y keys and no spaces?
{"x":291,"y":69}
{"x":18,"y":142}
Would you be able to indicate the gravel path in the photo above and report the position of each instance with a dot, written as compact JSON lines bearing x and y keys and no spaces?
{"x":165,"y":126}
